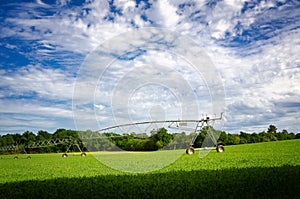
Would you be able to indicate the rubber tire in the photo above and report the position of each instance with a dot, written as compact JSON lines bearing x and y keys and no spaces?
{"x":190,"y":150}
{"x":64,"y":155}
{"x":220,"y":148}
{"x":83,"y":154}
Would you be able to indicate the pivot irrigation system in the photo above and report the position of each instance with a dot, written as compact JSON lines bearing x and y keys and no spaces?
{"x":180,"y":124}
{"x":175,"y":124}
{"x":44,"y":144}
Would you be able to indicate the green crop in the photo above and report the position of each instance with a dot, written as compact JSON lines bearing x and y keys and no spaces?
{"x":262,"y":170}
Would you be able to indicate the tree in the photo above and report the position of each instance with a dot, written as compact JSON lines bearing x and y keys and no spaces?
{"x":28,"y":137}
{"x":223,"y":138}
{"x":245,"y":138}
{"x":43,"y":135}
{"x":17,"y":138}
{"x":281,"y":136}
{"x":291,"y":136}
{"x":254,"y":138}
{"x":7,"y":140}
{"x":162,"y":138}
{"x":230,"y":139}
{"x":272,"y":129}
{"x":236,"y":139}
{"x":199,"y":140}
{"x":263,"y":137}
{"x":180,"y":141}
{"x":63,"y":133}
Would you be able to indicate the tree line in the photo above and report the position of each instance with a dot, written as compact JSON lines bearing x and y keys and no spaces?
{"x":29,"y":138}
{"x":157,"y":139}
{"x":272,"y":134}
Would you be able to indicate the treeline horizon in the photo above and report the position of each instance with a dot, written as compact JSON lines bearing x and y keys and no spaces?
{"x":138,"y":142}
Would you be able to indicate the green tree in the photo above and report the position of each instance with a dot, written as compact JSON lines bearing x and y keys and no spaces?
{"x":291,"y":136}
{"x":254,"y":138}
{"x":180,"y":141}
{"x":230,"y":139}
{"x":200,"y":138}
{"x":17,"y":138}
{"x":8,"y":140}
{"x":281,"y":136}
{"x":245,"y":138}
{"x":263,"y":137}
{"x":43,"y":135}
{"x":234,"y":139}
{"x":28,"y":137}
{"x":223,"y":138}
{"x":162,"y":138}
{"x":237,"y":139}
{"x":272,"y":129}
{"x":67,"y":134}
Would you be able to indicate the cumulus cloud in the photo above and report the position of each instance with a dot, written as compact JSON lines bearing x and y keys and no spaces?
{"x":253,"y":45}
{"x":45,"y":83}
{"x":164,"y":14}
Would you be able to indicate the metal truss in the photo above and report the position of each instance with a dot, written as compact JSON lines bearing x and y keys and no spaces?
{"x":172,"y":123}
{"x":41,"y":144}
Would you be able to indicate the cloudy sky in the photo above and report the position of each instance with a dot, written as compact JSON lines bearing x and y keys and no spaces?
{"x":92,"y":64}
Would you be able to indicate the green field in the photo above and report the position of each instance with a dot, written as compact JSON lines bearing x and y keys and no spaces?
{"x":262,"y":170}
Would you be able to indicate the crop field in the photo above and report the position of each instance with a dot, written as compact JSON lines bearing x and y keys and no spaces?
{"x":262,"y":170}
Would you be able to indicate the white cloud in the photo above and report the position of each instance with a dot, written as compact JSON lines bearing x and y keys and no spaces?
{"x":224,"y":17}
{"x":164,"y":14}
{"x":258,"y":76}
{"x":47,"y":83}
{"x":34,"y":107}
{"x":255,"y":83}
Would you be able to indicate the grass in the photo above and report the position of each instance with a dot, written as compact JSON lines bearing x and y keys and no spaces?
{"x":262,"y":170}
{"x":50,"y":166}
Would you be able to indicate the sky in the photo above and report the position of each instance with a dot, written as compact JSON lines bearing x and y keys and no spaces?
{"x":93,"y":64}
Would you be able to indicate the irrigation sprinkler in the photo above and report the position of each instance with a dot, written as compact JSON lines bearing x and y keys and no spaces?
{"x":200,"y":125}
{"x":178,"y":124}
{"x":82,"y":154}
{"x":44,"y":144}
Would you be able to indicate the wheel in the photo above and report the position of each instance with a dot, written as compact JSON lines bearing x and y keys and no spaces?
{"x":64,"y":155}
{"x":83,"y":154}
{"x":190,"y":151}
{"x":220,"y":148}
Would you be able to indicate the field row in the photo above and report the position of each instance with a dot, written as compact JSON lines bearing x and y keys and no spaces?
{"x":263,"y":170}
{"x":47,"y":166}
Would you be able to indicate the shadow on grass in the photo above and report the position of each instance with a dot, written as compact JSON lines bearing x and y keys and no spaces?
{"x":275,"y":182}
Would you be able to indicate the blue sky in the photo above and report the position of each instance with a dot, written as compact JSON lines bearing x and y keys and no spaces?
{"x":46,"y":46}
